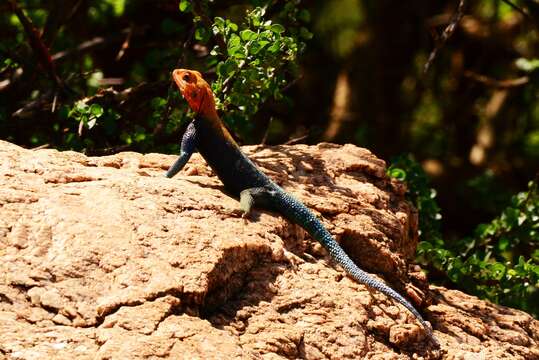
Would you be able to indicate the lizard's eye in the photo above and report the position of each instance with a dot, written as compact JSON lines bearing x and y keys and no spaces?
{"x":186,"y":77}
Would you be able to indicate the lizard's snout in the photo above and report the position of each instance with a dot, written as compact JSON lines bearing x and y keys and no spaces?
{"x":181,"y":78}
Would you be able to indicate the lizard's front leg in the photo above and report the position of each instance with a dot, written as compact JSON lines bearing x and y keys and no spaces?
{"x":189,"y":141}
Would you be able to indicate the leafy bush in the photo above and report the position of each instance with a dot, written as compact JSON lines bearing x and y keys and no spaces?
{"x":500,"y":261}
{"x":248,"y":64}
{"x":259,"y":60}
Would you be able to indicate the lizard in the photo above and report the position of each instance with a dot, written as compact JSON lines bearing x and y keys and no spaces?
{"x":244,"y":180}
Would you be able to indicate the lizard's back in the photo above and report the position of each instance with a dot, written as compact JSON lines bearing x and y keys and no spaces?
{"x":234,"y":169}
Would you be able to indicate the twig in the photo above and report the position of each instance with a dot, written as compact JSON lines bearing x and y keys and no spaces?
{"x":53,"y":107}
{"x":85,"y":45}
{"x":107,"y":151}
{"x":111,"y":81}
{"x":38,"y":47}
{"x":292,"y":83}
{"x":125,"y":99}
{"x":96,"y":42}
{"x":29,"y":110}
{"x":57,"y":17}
{"x":125,"y":44}
{"x":518,"y":9}
{"x":502,"y":84}
{"x":81,"y":125}
{"x":296,"y":140}
{"x":185,"y":46}
{"x":446,"y":34}
{"x":44,"y":146}
{"x":232,"y":76}
{"x":265,"y":137}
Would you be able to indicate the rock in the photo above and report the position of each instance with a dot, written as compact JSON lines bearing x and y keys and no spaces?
{"x":105,"y":258}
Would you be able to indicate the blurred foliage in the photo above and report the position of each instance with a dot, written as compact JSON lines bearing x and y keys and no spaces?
{"x":419,"y":192}
{"x":94,"y":76}
{"x":500,"y":261}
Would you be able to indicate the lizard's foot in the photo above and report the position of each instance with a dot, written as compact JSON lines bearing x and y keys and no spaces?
{"x":245,"y":214}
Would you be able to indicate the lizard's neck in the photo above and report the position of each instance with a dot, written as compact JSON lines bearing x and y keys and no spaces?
{"x":204,"y":103}
{"x":209,"y":113}
{"x":210,"y":116}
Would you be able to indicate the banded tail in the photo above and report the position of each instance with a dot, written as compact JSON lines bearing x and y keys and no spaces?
{"x":298,"y":213}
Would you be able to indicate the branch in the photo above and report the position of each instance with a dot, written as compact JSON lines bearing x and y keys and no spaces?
{"x":107,"y":151}
{"x":502,"y":84}
{"x":446,"y":34}
{"x":127,"y":99}
{"x":296,"y":140}
{"x":61,"y":12}
{"x":125,"y":44}
{"x":266,"y":133}
{"x":518,"y":9}
{"x":38,"y":47}
{"x":99,"y":41}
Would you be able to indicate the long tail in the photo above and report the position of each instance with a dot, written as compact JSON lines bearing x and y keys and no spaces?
{"x":298,"y":213}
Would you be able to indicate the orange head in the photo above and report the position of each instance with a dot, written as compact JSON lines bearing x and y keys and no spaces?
{"x":196,"y":91}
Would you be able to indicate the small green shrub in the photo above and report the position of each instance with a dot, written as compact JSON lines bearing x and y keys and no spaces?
{"x":499,"y":261}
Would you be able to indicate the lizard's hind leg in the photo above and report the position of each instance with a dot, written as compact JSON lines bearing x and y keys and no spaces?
{"x":253,"y":196}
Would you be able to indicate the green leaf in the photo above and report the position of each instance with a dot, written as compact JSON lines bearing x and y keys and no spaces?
{"x":497,"y":270}
{"x":140,"y":137}
{"x":185,"y":6}
{"x":397,"y":173}
{"x":503,"y":243}
{"x":96,"y":110}
{"x":225,"y":69}
{"x":158,"y":103}
{"x":266,"y":35}
{"x":304,"y":15}
{"x":219,"y":22}
{"x":275,"y":47}
{"x":247,"y":35}
{"x":219,"y":26}
{"x":527,"y":65}
{"x":510,"y":216}
{"x":306,"y":34}
{"x":277,"y":28}
{"x":201,"y":34}
{"x":235,"y":41}
{"x":257,"y":46}
{"x":232,"y":26}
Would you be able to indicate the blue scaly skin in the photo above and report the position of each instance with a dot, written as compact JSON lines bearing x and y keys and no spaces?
{"x":242,"y":179}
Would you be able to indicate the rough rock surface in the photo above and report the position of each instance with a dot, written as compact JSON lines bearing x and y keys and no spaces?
{"x":105,"y":258}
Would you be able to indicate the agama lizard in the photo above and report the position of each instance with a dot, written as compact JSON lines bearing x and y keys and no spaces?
{"x":243,"y":180}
